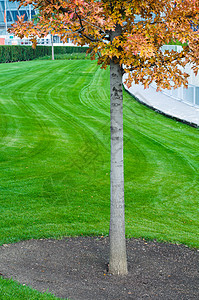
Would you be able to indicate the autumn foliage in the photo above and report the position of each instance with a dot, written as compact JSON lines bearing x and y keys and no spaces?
{"x":138,"y":47}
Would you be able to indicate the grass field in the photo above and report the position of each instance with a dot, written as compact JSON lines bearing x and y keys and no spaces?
{"x":10,"y":290}
{"x":55,"y":153}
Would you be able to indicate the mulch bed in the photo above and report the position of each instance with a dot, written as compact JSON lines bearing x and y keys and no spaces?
{"x":77,"y":268}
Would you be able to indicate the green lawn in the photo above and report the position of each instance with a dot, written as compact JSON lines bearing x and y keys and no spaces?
{"x":55,"y":161}
{"x":55,"y":153}
{"x":10,"y":290}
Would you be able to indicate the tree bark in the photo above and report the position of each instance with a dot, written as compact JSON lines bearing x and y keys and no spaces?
{"x":118,"y":257}
{"x":53,"y":56}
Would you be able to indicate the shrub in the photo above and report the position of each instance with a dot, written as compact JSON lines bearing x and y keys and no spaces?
{"x":22,"y":53}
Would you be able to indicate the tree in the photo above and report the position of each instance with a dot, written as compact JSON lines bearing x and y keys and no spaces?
{"x":114,"y":35}
{"x":52,"y":45}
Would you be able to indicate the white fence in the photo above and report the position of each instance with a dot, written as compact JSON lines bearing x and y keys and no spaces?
{"x":189,"y":95}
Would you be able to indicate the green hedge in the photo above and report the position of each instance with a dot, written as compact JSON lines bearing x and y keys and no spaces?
{"x":22,"y":53}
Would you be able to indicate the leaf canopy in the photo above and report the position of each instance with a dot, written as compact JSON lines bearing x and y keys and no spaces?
{"x":146,"y":25}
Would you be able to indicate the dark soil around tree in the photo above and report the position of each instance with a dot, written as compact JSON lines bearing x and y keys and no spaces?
{"x":77,"y":268}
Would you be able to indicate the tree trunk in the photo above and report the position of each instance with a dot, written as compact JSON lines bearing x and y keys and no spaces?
{"x":118,"y":258}
{"x":53,"y":56}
